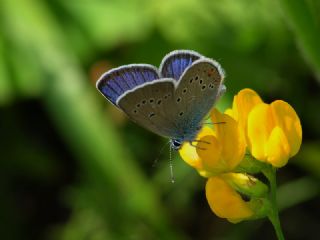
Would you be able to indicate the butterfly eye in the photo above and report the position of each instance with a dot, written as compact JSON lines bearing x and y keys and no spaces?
{"x":135,"y":111}
{"x":144,"y":101}
{"x":196,"y":78}
{"x":180,"y":114}
{"x":203,"y":87}
{"x":151,"y":100}
{"x":191,"y":80}
{"x":159,"y":102}
{"x":175,"y":144}
{"x":178,"y":99}
{"x":138,"y":105}
{"x":184,"y":90}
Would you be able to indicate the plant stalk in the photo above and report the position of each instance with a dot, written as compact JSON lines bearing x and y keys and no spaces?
{"x":273,"y":216}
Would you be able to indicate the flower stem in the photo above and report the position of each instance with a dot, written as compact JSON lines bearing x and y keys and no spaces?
{"x":273,"y":216}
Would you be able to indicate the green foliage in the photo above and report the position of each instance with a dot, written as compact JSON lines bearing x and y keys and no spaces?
{"x":48,"y":48}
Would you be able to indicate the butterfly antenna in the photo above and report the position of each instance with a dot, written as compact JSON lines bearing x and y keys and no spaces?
{"x":155,"y":162}
{"x":171,"y":165}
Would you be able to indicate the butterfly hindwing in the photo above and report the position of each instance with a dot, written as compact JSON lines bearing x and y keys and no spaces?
{"x":196,"y":93}
{"x":150,"y":106}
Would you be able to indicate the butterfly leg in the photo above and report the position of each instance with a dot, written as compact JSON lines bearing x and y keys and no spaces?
{"x":198,"y":141}
{"x":213,"y":123}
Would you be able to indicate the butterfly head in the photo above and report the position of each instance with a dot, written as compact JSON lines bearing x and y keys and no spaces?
{"x":189,"y":134}
{"x":175,"y":144}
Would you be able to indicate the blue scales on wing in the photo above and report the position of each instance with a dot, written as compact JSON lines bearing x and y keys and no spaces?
{"x":116,"y":82}
{"x":176,"y":62}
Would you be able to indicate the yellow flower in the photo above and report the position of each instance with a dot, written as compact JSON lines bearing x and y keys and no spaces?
{"x":216,"y":151}
{"x":274,"y":132}
{"x":225,"y":200}
{"x":242,"y":105}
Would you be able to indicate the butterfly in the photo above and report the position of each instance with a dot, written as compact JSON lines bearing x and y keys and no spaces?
{"x":171,"y":100}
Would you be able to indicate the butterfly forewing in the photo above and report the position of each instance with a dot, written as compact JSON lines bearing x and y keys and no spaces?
{"x":151,"y":107}
{"x":116,"y":82}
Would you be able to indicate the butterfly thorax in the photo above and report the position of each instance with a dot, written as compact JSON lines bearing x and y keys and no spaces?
{"x":189,"y":136}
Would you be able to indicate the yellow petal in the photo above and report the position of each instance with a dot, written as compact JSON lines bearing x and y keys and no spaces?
{"x":189,"y":153}
{"x":287,"y":119}
{"x":225,"y":202}
{"x":231,"y":138}
{"x":205,"y":131}
{"x":278,"y":149}
{"x":243,"y":103}
{"x":229,"y":112}
{"x":209,"y":151}
{"x":260,"y":125}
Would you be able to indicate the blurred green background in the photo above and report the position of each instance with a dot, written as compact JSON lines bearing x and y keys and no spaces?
{"x":73,"y":167}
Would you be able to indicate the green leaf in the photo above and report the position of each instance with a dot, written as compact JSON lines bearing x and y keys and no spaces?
{"x":303,"y":18}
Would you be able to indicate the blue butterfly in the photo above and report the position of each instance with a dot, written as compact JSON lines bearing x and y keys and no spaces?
{"x":170,"y":101}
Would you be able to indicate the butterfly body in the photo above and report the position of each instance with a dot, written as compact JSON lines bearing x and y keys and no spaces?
{"x":171,"y":101}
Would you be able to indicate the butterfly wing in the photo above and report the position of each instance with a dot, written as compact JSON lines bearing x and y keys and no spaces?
{"x":150,"y":105}
{"x":172,"y":106}
{"x":117,"y":81}
{"x":197,"y":90}
{"x":175,"y":63}
{"x":175,"y":108}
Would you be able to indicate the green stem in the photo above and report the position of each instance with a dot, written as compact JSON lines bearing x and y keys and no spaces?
{"x":273,"y":216}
